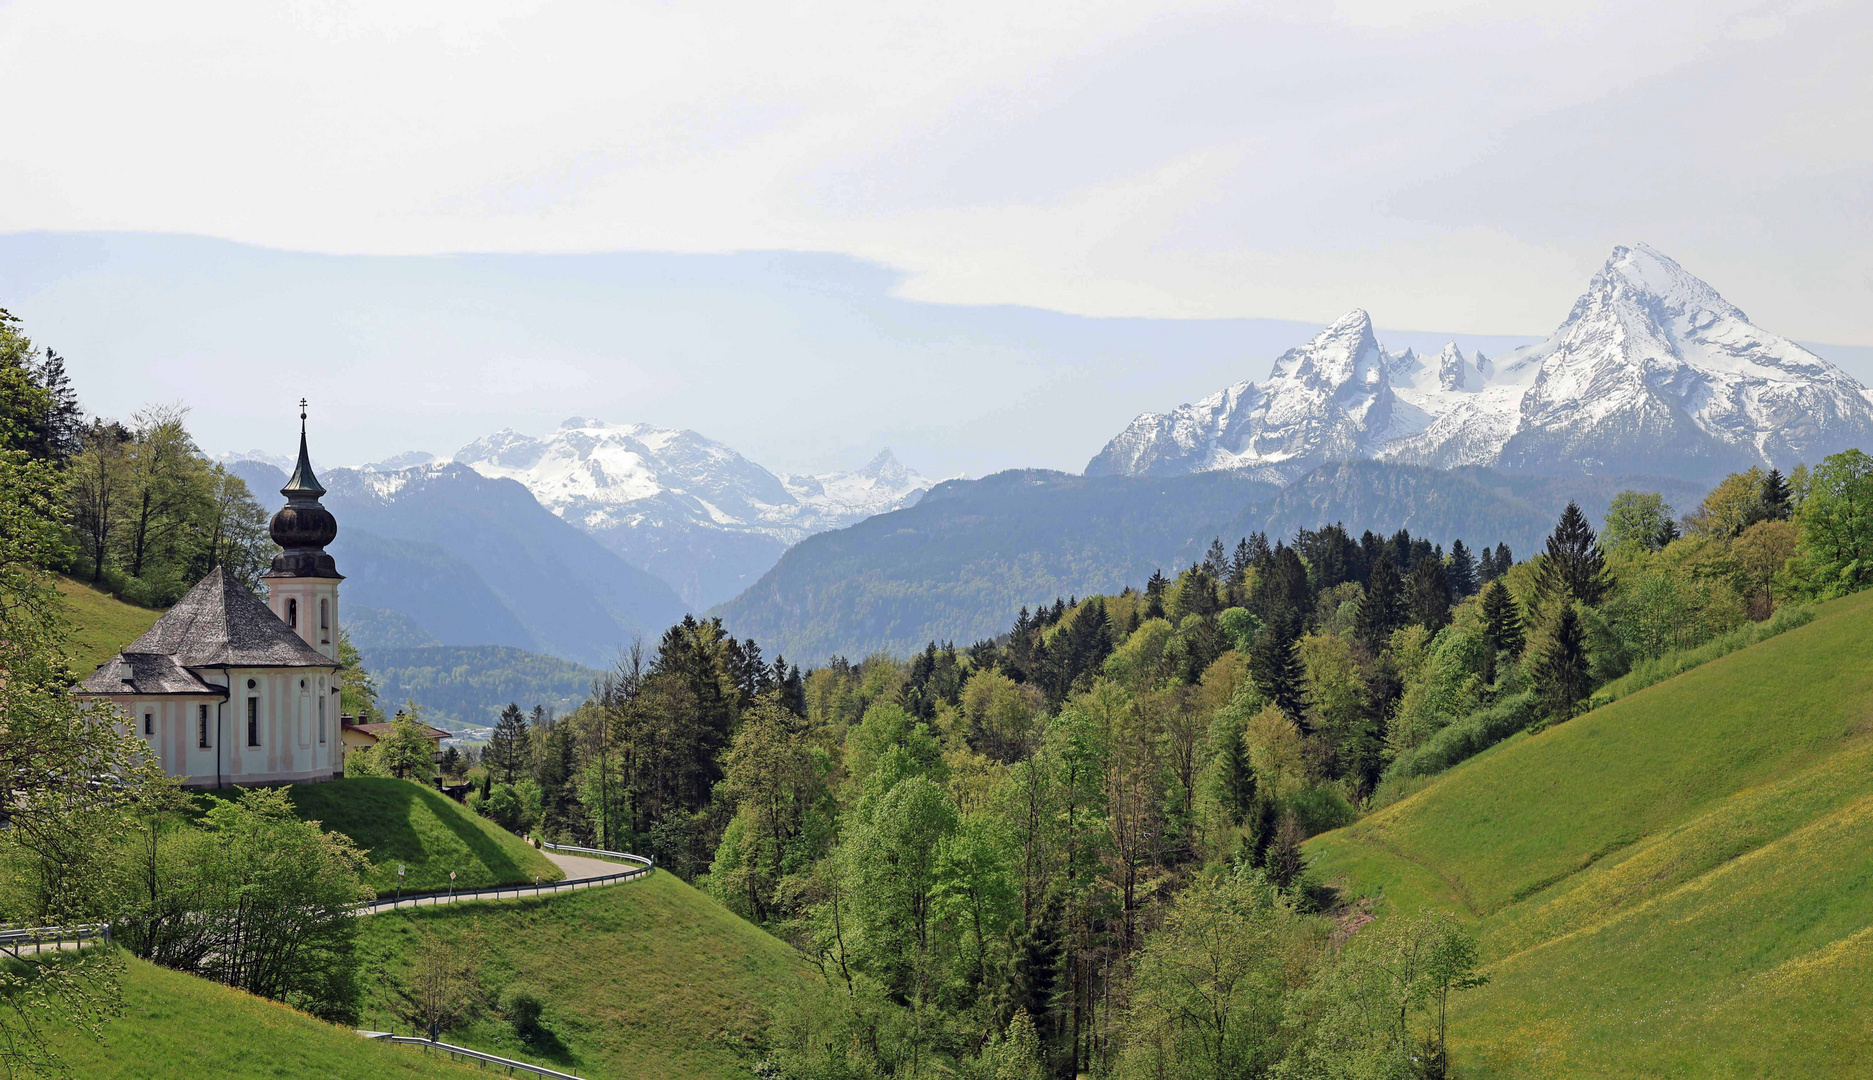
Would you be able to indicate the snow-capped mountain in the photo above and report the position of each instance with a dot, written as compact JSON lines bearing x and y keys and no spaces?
{"x":687,"y":508}
{"x":1652,"y":372}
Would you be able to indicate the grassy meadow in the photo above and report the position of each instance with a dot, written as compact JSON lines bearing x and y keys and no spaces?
{"x":179,"y":1027}
{"x":430,"y":834}
{"x":1676,"y":884}
{"x":647,"y":979}
{"x":101,"y":624}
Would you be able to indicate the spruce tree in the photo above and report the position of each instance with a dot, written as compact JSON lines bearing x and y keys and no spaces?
{"x":1666,"y":534}
{"x":1216,"y":561}
{"x":1485,"y":566}
{"x":1236,"y":777}
{"x":1461,"y":570}
{"x":507,"y":751}
{"x":1504,"y":559}
{"x":1561,"y":675}
{"x":1428,"y":595}
{"x":1154,"y":595}
{"x":1775,"y":497}
{"x":1378,"y":612}
{"x":1275,"y":666}
{"x":1502,"y":627}
{"x":1239,"y":565}
{"x":1573,"y":567}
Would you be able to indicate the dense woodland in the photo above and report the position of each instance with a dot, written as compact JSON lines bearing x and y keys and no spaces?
{"x":1074,"y":847}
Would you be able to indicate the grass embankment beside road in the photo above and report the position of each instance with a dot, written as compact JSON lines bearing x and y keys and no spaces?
{"x":646,"y":979}
{"x":1678,"y":883}
{"x":179,"y":1027}
{"x":101,"y":624}
{"x":401,"y":822}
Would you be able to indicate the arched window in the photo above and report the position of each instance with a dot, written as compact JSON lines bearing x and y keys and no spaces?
{"x":292,"y":612}
{"x":149,"y":722}
{"x":321,"y":716}
{"x":201,"y":726}
{"x":253,"y":721}
{"x":325,"y":621}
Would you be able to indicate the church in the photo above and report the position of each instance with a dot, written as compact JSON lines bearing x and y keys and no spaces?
{"x":230,"y":689}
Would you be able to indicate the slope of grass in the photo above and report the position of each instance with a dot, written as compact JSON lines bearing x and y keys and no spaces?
{"x":178,"y":1027}
{"x":101,"y":624}
{"x":430,"y":834}
{"x":1675,"y":884}
{"x":647,"y":979}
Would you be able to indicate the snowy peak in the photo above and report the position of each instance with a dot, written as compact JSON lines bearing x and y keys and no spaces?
{"x":1652,"y":370}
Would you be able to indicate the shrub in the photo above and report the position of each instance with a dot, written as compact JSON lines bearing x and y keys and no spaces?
{"x":522,"y":1007}
{"x":1321,"y":809}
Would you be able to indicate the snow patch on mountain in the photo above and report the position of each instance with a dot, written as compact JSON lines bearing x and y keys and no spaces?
{"x":1652,"y":371}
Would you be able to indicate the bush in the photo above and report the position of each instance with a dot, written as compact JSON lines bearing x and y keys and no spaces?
{"x":1321,"y":809}
{"x":522,"y":1007}
{"x":1464,"y":738}
{"x":1649,"y":672}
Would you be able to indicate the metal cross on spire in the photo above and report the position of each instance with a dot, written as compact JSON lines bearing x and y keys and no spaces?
{"x":302,"y":416}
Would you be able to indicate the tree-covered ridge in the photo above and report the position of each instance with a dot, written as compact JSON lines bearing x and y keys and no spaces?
{"x":1041,"y":850}
{"x":460,"y":686}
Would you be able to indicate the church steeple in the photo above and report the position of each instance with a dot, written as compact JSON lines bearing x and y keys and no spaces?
{"x":303,"y":485}
{"x":302,"y":527}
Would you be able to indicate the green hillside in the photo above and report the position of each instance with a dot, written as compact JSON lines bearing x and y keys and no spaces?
{"x":400,"y":821}
{"x":648,"y":979}
{"x":1675,"y":884}
{"x":178,"y":1027}
{"x":470,"y":684}
{"x":101,"y":624}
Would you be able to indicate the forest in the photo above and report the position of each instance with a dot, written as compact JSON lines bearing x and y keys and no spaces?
{"x":1076,"y":847}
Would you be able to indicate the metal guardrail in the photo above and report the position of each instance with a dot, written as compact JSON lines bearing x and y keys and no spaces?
{"x":16,"y":940}
{"x":538,"y":888}
{"x":473,"y":1055}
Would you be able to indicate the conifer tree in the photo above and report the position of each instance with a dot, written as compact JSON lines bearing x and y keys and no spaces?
{"x":1502,"y":627}
{"x":1561,"y":676}
{"x":1504,"y":559}
{"x":1573,"y":567}
{"x":1378,"y":612}
{"x":1667,"y":532}
{"x":1775,"y":497}
{"x":507,"y":751}
{"x":1235,"y":776}
{"x":1216,"y":561}
{"x":1275,"y":666}
{"x":1461,"y":570}
{"x":1239,"y":565}
{"x":1154,"y":595}
{"x":1428,"y":595}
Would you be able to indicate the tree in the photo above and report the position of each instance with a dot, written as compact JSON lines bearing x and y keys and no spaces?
{"x":1427,"y":596}
{"x":406,"y":750}
{"x":1562,"y":677}
{"x":100,"y":491}
{"x":1235,"y":777}
{"x":1573,"y":568}
{"x":1502,"y":627}
{"x":1777,"y":502}
{"x":1461,"y":570}
{"x":1636,"y":520}
{"x":1836,"y":525}
{"x":167,"y":487}
{"x":357,"y":690}
{"x":1379,"y":609}
{"x":508,"y":750}
{"x":1275,"y":666}
{"x":1732,"y":506}
{"x":444,"y":982}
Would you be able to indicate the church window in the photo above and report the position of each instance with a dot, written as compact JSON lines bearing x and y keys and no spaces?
{"x":325,"y":621}
{"x":149,"y":722}
{"x":321,"y":719}
{"x":201,"y":726}
{"x":292,"y":612}
{"x":253,"y":721}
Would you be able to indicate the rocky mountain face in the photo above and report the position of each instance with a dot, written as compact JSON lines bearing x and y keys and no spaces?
{"x":1651,"y":372}
{"x":690,"y":510}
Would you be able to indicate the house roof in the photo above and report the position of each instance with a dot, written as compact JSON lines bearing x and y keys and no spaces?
{"x":219,"y":623}
{"x":378,"y":731}
{"x":147,"y":673}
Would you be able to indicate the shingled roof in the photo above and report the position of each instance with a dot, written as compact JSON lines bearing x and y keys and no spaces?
{"x":219,"y":623}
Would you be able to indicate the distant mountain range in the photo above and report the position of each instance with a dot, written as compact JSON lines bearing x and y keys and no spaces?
{"x":470,"y":560}
{"x":1652,"y":371}
{"x":961,"y":563}
{"x":690,"y":510}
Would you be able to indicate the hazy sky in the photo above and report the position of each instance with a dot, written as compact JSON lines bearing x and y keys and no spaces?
{"x":1447,"y":165}
{"x":1451,"y":164}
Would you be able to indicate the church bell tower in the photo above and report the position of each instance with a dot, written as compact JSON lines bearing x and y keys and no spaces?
{"x":302,"y":586}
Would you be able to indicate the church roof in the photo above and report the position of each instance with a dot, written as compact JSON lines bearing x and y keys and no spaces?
{"x":218,"y":623}
{"x":146,"y":673}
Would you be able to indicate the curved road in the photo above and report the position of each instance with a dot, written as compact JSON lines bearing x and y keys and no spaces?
{"x":579,"y":870}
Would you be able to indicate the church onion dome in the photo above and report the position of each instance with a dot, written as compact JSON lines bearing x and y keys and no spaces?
{"x":302,"y":527}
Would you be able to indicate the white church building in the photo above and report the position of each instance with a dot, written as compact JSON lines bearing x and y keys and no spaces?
{"x":230,"y":689}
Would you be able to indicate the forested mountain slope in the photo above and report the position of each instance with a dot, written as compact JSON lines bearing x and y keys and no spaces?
{"x":971,"y":553}
{"x":1674,"y":884}
{"x":961,"y":563}
{"x":463,"y":685}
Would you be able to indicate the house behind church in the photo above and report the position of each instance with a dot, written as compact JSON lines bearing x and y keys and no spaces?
{"x":231,"y":689}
